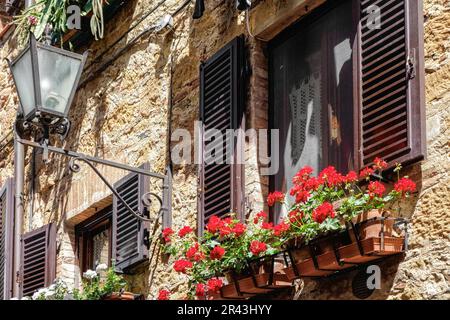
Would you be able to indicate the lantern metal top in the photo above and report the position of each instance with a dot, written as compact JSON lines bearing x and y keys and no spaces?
{"x":46,"y":79}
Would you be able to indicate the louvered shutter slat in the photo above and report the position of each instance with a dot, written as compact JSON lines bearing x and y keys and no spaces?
{"x":392,"y":119}
{"x":129,"y":248}
{"x":221,"y":108}
{"x":38,"y":259}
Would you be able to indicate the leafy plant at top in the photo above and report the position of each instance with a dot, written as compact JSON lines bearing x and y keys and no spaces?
{"x":54,"y":12}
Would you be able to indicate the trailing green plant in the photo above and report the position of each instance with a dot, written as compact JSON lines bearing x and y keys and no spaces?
{"x":54,"y":13}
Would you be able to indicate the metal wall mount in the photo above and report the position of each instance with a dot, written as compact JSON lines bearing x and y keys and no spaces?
{"x":164,"y":200}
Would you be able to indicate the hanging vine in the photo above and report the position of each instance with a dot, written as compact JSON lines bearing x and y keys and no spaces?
{"x":97,"y":24}
{"x":54,"y":12}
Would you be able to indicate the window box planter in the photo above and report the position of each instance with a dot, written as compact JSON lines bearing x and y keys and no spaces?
{"x":370,"y":238}
{"x":372,"y":224}
{"x":264,"y":276}
{"x":124,"y":296}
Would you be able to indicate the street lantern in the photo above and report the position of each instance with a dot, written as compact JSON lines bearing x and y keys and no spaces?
{"x":46,"y":79}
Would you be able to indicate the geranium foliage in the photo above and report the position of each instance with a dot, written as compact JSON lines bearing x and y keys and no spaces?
{"x":322,"y":204}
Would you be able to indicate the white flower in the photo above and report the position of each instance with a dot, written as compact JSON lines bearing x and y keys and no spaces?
{"x":49,"y":294}
{"x":14,"y":298}
{"x":25,"y":298}
{"x":101,"y":267}
{"x":90,"y":274}
{"x":38,"y":294}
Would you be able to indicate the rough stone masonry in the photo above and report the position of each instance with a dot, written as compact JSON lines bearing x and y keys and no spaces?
{"x":123,"y":114}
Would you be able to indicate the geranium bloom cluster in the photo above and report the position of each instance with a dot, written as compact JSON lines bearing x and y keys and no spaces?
{"x":275,"y":197}
{"x":322,"y":212}
{"x":405,"y":186}
{"x":322,"y":204}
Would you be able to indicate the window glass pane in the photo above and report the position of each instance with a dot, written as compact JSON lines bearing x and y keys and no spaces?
{"x":312,"y":95}
{"x":100,"y":248}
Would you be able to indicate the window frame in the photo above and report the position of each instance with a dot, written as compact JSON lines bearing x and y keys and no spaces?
{"x":85,"y":232}
{"x":283,"y":36}
{"x":415,"y":150}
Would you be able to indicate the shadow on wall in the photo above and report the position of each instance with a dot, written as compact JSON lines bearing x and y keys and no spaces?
{"x":205,"y":36}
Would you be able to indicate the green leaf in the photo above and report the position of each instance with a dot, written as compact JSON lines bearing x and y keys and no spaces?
{"x":45,"y":15}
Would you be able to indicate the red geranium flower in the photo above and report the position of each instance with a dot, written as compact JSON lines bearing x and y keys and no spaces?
{"x":166,"y":233}
{"x":228,"y":220}
{"x":184,"y":231}
{"x":295,"y":216}
{"x":267,"y":225}
{"x":302,"y":196}
{"x":214,"y":285}
{"x":217,"y":253}
{"x":259,"y":215}
{"x":322,"y":212}
{"x":351,"y":177}
{"x":281,"y":228}
{"x":181,"y":265}
{"x":257,"y":247}
{"x":200,"y":290}
{"x":376,"y":189}
{"x":331,"y":176}
{"x":225,"y":230}
{"x":193,"y":254}
{"x":239,"y":229}
{"x":312,"y":184}
{"x":302,"y":175}
{"x":365,"y":173}
{"x":274,"y":197}
{"x":164,"y":295}
{"x":214,"y":224}
{"x":379,"y":164}
{"x":405,"y":185}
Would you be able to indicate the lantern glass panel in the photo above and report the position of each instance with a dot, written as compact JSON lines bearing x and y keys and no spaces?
{"x":57,"y":73}
{"x":23,"y":76}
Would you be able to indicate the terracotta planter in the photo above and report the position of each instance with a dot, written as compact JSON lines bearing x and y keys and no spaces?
{"x":265,"y":278}
{"x":373,"y":249}
{"x":369,"y":225}
{"x":323,"y":249}
{"x":124,"y":296}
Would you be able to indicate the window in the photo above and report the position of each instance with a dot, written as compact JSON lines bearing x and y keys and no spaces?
{"x":222,"y":94}
{"x":311,"y":73}
{"x":343,"y":91}
{"x":94,"y":240}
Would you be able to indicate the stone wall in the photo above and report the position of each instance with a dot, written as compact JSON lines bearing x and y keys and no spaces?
{"x":122,"y":113}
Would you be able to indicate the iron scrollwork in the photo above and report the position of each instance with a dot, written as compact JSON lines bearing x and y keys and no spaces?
{"x":146,"y":200}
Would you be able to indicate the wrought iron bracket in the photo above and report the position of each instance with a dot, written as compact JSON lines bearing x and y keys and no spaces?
{"x":164,"y":202}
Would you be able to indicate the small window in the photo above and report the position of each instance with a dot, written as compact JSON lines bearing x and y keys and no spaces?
{"x":344,"y":91}
{"x":94,"y":240}
{"x":312,"y":93}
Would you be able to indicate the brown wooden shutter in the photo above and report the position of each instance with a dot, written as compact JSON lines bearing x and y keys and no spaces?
{"x":391,"y":83}
{"x":129,"y":246}
{"x":38,"y":259}
{"x":6,"y":239}
{"x":222,"y":97}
